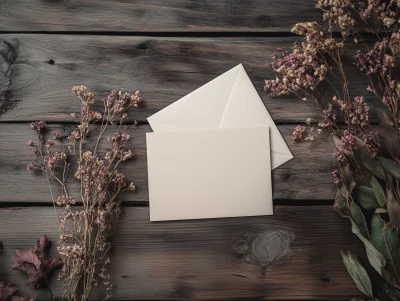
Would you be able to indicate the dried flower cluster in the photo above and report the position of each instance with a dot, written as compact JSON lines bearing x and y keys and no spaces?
{"x":85,"y":230}
{"x":368,"y":159}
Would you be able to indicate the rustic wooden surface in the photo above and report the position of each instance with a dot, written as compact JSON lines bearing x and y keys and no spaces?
{"x":167,"y":49}
{"x":155,"y":15}
{"x":291,"y":255}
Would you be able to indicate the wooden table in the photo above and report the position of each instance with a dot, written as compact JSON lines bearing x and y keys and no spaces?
{"x":167,"y":48}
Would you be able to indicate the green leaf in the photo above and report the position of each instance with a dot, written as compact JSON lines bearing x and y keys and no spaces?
{"x":364,"y":157}
{"x":393,"y":207}
{"x":390,"y":139}
{"x":391,"y":167}
{"x":378,"y":191}
{"x":365,"y":197}
{"x":341,"y":204}
{"x":375,"y":258}
{"x":359,"y":219}
{"x":387,"y":242}
{"x":357,"y":273}
{"x":347,"y":178}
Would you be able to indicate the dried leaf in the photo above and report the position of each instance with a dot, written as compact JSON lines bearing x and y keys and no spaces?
{"x":391,"y":167}
{"x":359,"y":219}
{"x":357,"y":273}
{"x":390,"y":139}
{"x":378,"y":191}
{"x":363,"y":156}
{"x":7,"y":291}
{"x":387,"y":242}
{"x":340,"y":204}
{"x":393,"y":207}
{"x":336,"y":141}
{"x":347,"y":178}
{"x":365,"y":196}
{"x":386,"y":119}
{"x":34,"y":263}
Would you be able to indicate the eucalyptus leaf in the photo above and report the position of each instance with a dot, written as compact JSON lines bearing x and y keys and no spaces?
{"x":365,"y":196}
{"x":357,"y":273}
{"x":393,"y":207}
{"x":336,"y":141}
{"x":387,"y":242}
{"x":390,"y":139}
{"x":386,"y":119}
{"x":391,"y":167}
{"x":378,"y":191}
{"x":359,"y":219}
{"x":381,"y":210}
{"x":347,"y":178}
{"x":363,"y":156}
{"x":375,"y":258}
{"x":340,"y":204}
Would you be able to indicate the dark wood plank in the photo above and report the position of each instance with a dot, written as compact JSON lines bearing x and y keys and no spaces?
{"x":293,"y":254}
{"x":306,"y":177}
{"x":38,"y":72}
{"x":155,"y":15}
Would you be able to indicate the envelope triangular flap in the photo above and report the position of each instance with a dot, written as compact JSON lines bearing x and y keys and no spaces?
{"x":240,"y":111}
{"x":201,"y":109}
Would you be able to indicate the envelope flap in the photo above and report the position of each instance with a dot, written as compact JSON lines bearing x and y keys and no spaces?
{"x":246,"y":109}
{"x":202,"y":108}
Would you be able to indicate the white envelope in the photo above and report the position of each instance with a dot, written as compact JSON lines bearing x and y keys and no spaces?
{"x":228,"y":101}
{"x":209,"y":173}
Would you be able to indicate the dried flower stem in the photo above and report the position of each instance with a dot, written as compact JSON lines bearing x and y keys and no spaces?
{"x":85,"y":233}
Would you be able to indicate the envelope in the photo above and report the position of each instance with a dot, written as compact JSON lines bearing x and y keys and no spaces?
{"x":210,"y":173}
{"x":228,"y":101}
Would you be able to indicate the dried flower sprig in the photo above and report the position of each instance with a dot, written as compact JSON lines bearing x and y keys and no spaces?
{"x":368,"y":173}
{"x":85,"y":231}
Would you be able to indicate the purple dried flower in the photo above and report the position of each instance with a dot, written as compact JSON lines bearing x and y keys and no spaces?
{"x":56,"y":135}
{"x":50,"y":143}
{"x":349,"y":142}
{"x":336,"y":176}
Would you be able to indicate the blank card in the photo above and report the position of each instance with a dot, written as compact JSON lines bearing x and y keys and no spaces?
{"x":209,"y":173}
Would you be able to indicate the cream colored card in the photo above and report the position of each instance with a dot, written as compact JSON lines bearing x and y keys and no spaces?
{"x":228,"y":101}
{"x":209,"y":173}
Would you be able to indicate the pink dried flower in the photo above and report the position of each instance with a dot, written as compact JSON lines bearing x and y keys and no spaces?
{"x":38,"y":125}
{"x":299,"y":133}
{"x":31,"y":143}
{"x":50,"y":143}
{"x":30,"y":166}
{"x":336,"y":176}
{"x":56,"y":135}
{"x":349,"y":142}
{"x":75,"y":135}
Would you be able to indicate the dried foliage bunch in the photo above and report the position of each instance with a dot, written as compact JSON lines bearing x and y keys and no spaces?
{"x":85,"y":230}
{"x":368,"y":158}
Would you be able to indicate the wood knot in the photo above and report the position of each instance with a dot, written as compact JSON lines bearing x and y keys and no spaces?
{"x":51,"y":62}
{"x":263,"y":246}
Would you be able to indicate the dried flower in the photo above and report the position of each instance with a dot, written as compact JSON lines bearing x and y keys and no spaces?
{"x":85,"y":243}
{"x":299,"y":133}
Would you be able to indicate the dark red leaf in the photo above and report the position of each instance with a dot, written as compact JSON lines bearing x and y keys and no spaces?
{"x":7,"y":291}
{"x":34,"y":264}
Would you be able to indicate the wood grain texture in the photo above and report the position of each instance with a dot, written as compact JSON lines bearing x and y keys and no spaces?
{"x":155,"y":15}
{"x":38,"y":72}
{"x":291,"y":255}
{"x":306,"y":177}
